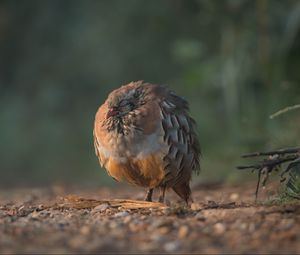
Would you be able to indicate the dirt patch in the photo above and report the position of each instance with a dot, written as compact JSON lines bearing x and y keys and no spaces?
{"x":223,"y":219}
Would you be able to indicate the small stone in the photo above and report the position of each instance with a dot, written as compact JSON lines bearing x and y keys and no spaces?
{"x":84,"y":212}
{"x":183,"y":231}
{"x":243,"y":226}
{"x":114,"y":225}
{"x":100,"y":208}
{"x":77,"y":242}
{"x":34,"y":215}
{"x":252,"y":227}
{"x":121,"y":214}
{"x":234,"y":196}
{"x":162,"y":223}
{"x":172,"y":246}
{"x":199,"y":216}
{"x":195,"y":206}
{"x":287,"y":224}
{"x":147,"y":247}
{"x":219,"y":228}
{"x":44,"y":213}
{"x":135,"y":227}
{"x":166,"y":211}
{"x":208,"y":198}
{"x":62,"y":225}
{"x":127,"y":219}
{"x":40,"y":207}
{"x":164,"y":230}
{"x":85,"y":230}
{"x":158,"y":238}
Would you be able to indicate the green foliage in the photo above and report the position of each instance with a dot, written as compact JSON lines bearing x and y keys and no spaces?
{"x":293,"y":184}
{"x":290,"y":191}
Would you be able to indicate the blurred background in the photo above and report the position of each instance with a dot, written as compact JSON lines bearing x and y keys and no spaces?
{"x":236,"y":62}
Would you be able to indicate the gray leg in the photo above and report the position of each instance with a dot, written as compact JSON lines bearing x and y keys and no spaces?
{"x":149,"y":195}
{"x":162,"y":191}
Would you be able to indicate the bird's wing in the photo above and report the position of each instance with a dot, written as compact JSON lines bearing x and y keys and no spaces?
{"x":181,"y":139}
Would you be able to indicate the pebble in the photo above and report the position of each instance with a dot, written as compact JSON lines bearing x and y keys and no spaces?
{"x":77,"y":242}
{"x":84,"y":212}
{"x":155,"y":237}
{"x":234,"y":196}
{"x":166,"y":211}
{"x":287,"y":224}
{"x":243,"y":226}
{"x":164,"y":230}
{"x":127,"y":219}
{"x":121,"y":214}
{"x":195,"y":206}
{"x":147,"y":247}
{"x":85,"y":230}
{"x":199,"y":216}
{"x":135,"y":227}
{"x":40,"y":207}
{"x":62,"y":225}
{"x":219,"y":228}
{"x":162,"y":223}
{"x":100,"y":208}
{"x":114,"y":224}
{"x":34,"y":215}
{"x":252,"y":227}
{"x":172,"y":246}
{"x":183,"y":231}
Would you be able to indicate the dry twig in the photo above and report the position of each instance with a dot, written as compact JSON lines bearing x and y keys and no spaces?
{"x":273,"y":162}
{"x":85,"y":203}
{"x":282,"y":111}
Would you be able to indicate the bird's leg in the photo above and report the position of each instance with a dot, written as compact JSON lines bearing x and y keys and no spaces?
{"x":162,"y":191}
{"x":149,"y":195}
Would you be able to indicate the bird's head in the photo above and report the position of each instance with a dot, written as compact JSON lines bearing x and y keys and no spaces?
{"x":122,"y":102}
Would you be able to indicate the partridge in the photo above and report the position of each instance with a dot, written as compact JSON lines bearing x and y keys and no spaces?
{"x":143,"y":134}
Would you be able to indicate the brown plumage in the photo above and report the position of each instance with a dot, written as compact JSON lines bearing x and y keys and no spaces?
{"x":143,"y":134}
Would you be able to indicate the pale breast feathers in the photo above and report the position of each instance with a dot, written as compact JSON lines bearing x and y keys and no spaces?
{"x":142,"y":134}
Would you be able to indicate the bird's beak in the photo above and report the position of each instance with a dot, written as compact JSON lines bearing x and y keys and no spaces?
{"x":112,"y":112}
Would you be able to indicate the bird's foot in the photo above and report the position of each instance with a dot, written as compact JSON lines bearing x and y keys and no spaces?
{"x":148,"y":196}
{"x":162,"y":191}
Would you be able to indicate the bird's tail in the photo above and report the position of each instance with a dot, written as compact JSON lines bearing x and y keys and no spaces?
{"x":184,"y":191}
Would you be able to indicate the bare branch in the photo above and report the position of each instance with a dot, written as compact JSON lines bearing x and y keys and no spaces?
{"x":287,"y":109}
{"x":272,"y":162}
{"x":257,"y":186}
{"x":270,"y":153}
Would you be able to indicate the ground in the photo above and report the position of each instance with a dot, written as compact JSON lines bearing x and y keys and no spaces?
{"x":223,"y":219}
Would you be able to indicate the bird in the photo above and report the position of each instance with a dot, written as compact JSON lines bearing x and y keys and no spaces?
{"x":143,"y":134}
